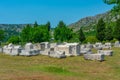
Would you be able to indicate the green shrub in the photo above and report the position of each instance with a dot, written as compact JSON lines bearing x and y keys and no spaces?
{"x":14,"y":39}
{"x":114,"y":40}
{"x":91,"y":39}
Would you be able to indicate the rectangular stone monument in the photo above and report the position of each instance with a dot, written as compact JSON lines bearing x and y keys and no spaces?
{"x":57,"y":54}
{"x":16,"y":50}
{"x":45,"y":45}
{"x":99,"y":57}
{"x":105,"y":52}
{"x":70,"y":49}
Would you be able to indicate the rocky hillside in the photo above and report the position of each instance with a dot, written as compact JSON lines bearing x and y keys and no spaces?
{"x":15,"y":27}
{"x":12,"y":29}
{"x":92,"y":20}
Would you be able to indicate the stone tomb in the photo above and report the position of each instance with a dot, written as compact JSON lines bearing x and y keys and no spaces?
{"x":105,"y":52}
{"x":45,"y":45}
{"x":98,"y":46}
{"x":70,"y":49}
{"x":45,"y":48}
{"x":29,"y":50}
{"x":52,"y":45}
{"x":89,"y":46}
{"x":107,"y":46}
{"x":56,"y":54}
{"x":117,"y":44}
{"x":99,"y":57}
{"x":16,"y":50}
{"x":84,"y":49}
{"x":28,"y":46}
{"x":12,"y":49}
{"x":7,"y":49}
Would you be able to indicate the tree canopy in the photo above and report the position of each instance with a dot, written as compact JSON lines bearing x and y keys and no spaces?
{"x":116,"y":32}
{"x":109,"y":33}
{"x":81,"y":35}
{"x":62,"y":32}
{"x":100,"y":30}
{"x":48,"y":25}
{"x":14,"y":39}
{"x":112,"y":1}
{"x":35,"y":34}
{"x":2,"y":35}
{"x":116,"y":4}
{"x":35,"y":24}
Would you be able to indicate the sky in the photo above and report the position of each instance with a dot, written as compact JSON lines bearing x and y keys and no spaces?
{"x":42,"y":11}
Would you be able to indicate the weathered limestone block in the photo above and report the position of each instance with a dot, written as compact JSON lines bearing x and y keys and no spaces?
{"x":52,"y":45}
{"x":82,"y":46}
{"x":28,"y":46}
{"x":107,"y":45}
{"x":29,"y":53}
{"x":89,"y":46}
{"x":16,"y":50}
{"x":98,"y":46}
{"x":57,"y":54}
{"x":45,"y":45}
{"x":99,"y":57}
{"x":85,"y":50}
{"x":29,"y":50}
{"x":105,"y":52}
{"x":70,"y":49}
{"x":45,"y":52}
{"x":117,"y":44}
{"x":7,"y":49}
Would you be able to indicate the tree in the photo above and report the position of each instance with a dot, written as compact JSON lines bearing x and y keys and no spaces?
{"x":14,"y":39}
{"x":2,"y":35}
{"x":111,"y":1}
{"x":109,"y":33}
{"x":81,"y":35}
{"x":35,"y":34}
{"x":62,"y":32}
{"x":35,"y":24}
{"x":116,"y":3}
{"x":48,"y":26}
{"x":100,"y":30}
{"x":61,"y":24}
{"x":41,"y":34}
{"x":116,"y":32}
{"x":26,"y":34}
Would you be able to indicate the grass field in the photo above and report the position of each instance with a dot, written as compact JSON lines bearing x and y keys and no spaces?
{"x":71,"y":68}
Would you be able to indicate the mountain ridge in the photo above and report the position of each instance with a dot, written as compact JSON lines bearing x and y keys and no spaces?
{"x":92,"y":20}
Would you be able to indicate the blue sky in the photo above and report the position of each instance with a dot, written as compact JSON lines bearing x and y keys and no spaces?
{"x":29,"y":11}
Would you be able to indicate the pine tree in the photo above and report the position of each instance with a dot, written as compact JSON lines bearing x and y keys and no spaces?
{"x":116,"y":32}
{"x":26,"y":34}
{"x":81,"y":35}
{"x":100,"y":30}
{"x":108,"y":33}
{"x":2,"y":35}
{"x":61,"y":24}
{"x":35,"y":24}
{"x":48,"y":26}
